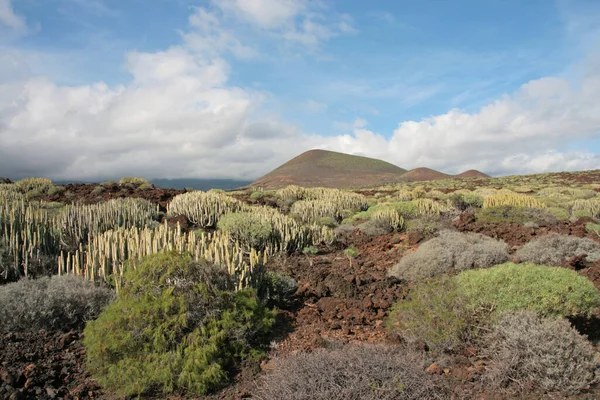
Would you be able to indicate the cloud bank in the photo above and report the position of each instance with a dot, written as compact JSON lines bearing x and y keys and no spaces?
{"x":180,"y":116}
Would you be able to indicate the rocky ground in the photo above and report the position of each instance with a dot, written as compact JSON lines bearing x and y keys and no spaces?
{"x":338,"y":300}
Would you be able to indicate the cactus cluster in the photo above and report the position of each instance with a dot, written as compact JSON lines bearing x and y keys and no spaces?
{"x":590,"y":207}
{"x":510,"y":198}
{"x":430,"y":207}
{"x":28,"y":235}
{"x":204,"y":208}
{"x":107,"y":252}
{"x":389,"y":216}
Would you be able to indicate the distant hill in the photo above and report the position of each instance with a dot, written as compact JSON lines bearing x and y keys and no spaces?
{"x":472,"y":173}
{"x":330,"y":169}
{"x":423,"y":174}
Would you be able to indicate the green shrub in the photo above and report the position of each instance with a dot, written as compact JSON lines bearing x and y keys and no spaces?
{"x":550,"y":291}
{"x":591,"y":227}
{"x":375,"y":228}
{"x":54,"y":190}
{"x":450,"y":251}
{"x":176,"y":325}
{"x":39,"y":185}
{"x":463,"y":201}
{"x":527,"y":351}
{"x":366,"y":372}
{"x":428,"y":225}
{"x":247,"y":228}
{"x":559,"y":212}
{"x":146,"y":186}
{"x":555,"y":249}
{"x":327,"y":221}
{"x":56,"y":303}
{"x":109,"y":183}
{"x":278,"y":289}
{"x":518,"y":215}
{"x":98,"y":190}
{"x":132,"y":181}
{"x":257,"y":196}
{"x":434,"y":313}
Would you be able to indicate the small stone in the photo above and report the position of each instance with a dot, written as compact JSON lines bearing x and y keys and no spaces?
{"x":434,"y":369}
{"x":18,"y":395}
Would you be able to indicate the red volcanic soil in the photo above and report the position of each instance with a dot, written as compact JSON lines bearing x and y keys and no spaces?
{"x":86,"y":194}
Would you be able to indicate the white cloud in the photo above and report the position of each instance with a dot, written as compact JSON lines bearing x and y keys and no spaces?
{"x":180,"y":117}
{"x":303,"y":22}
{"x":315,"y":106}
{"x":267,"y":14}
{"x":10,"y":19}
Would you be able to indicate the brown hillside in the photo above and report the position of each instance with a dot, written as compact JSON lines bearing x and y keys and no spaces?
{"x":330,"y":169}
{"x":424,"y":174}
{"x":472,"y":173}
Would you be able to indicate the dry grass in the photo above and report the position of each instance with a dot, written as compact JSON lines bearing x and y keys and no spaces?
{"x":354,"y":372}
{"x":527,"y":351}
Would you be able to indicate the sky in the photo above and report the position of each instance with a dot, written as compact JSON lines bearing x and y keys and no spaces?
{"x":93,"y":89}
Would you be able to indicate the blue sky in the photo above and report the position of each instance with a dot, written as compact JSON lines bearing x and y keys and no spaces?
{"x":389,"y":79}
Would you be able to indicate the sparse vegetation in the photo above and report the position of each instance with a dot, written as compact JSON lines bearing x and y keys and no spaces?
{"x":450,"y":251}
{"x":526,"y":350}
{"x":353,"y":372}
{"x":56,"y":303}
{"x":549,"y":291}
{"x":176,"y":325}
{"x":555,"y":249}
{"x":248,"y":228}
{"x":434,"y":313}
{"x":186,"y":320}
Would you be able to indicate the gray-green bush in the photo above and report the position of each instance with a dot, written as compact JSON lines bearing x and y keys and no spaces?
{"x":555,"y":249}
{"x":248,"y":228}
{"x":354,"y":372}
{"x":451,"y":251}
{"x":525,"y":350}
{"x":56,"y":303}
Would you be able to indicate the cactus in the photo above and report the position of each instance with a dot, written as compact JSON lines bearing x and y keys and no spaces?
{"x":510,"y":198}
{"x":204,"y":208}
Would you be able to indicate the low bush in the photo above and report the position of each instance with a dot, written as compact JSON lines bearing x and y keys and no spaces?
{"x":549,"y":291}
{"x":555,"y":249}
{"x":451,"y":251}
{"x":176,"y":325}
{"x":132,"y":181}
{"x":257,"y":195}
{"x":39,"y":185}
{"x":434,"y":313}
{"x":375,"y":227}
{"x":429,"y":225}
{"x":54,"y":190}
{"x":559,"y":212}
{"x":343,"y":230}
{"x":527,"y":351}
{"x":518,"y":215}
{"x":247,"y":228}
{"x":278,"y":290}
{"x":591,"y":227}
{"x":463,"y":201}
{"x":366,"y":372}
{"x":56,"y":303}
